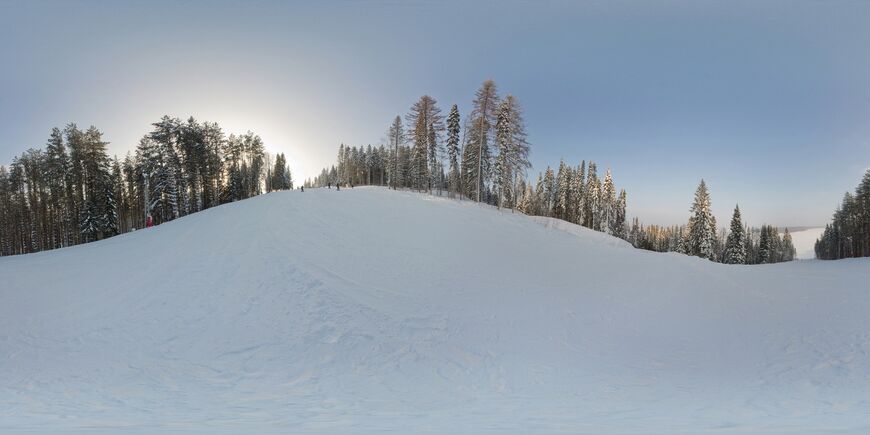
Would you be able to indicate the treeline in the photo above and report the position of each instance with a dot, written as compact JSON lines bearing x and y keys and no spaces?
{"x":848,"y":235}
{"x":740,"y":244}
{"x":72,"y":192}
{"x":579,"y":196}
{"x":761,"y":245}
{"x":484,"y":158}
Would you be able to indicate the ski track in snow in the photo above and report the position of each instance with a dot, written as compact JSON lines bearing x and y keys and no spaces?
{"x":367,"y":310}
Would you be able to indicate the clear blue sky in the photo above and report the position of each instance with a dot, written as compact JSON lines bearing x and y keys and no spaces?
{"x":768,"y":101}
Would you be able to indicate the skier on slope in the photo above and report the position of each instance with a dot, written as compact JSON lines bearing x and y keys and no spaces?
{"x":149,"y":221}
{"x":303,"y":188}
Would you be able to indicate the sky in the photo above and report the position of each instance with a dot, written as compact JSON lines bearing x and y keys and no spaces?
{"x":768,"y":101}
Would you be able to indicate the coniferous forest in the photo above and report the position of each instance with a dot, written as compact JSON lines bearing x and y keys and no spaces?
{"x":486,"y":159}
{"x":848,"y":235}
{"x":72,"y":192}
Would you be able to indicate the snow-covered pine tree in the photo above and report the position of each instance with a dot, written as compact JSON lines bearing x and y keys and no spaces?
{"x":90,"y":222}
{"x":7,"y":209}
{"x":191,"y":149}
{"x":563,"y":190}
{"x":255,"y":152}
{"x":396,"y":135}
{"x":579,"y":184}
{"x":213,"y":164}
{"x":435,"y":155}
{"x":788,"y":249}
{"x":776,"y":245}
{"x":75,"y":180}
{"x":619,"y":224}
{"x":608,"y":204}
{"x":513,"y":158}
{"x":98,"y":189}
{"x":527,"y":200}
{"x":453,"y":148}
{"x":702,"y":225}
{"x":593,"y":198}
{"x":57,"y":172}
{"x":635,"y":235}
{"x":549,"y":192}
{"x":110,"y":223}
{"x":735,"y":246}
{"x":423,"y":116}
{"x":502,"y":175}
{"x":418,"y":169}
{"x":765,"y":246}
{"x":166,"y":134}
{"x":540,"y":201}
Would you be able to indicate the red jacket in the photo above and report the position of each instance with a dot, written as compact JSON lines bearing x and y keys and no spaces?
{"x":149,"y":222}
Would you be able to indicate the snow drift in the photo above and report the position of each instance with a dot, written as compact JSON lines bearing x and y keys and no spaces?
{"x":368,"y":309}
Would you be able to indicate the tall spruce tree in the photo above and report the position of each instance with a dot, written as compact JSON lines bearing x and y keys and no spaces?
{"x":788,"y":249}
{"x":619,"y":223}
{"x":563,"y":189}
{"x":396,"y":135}
{"x":702,"y":225}
{"x":579,"y":185}
{"x":453,"y":148}
{"x":593,"y":198}
{"x":549,"y":192}
{"x":608,"y":204}
{"x":735,"y":246}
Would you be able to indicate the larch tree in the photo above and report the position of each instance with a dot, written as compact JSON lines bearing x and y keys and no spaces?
{"x":427,"y":123}
{"x":476,"y":159}
{"x":513,"y":149}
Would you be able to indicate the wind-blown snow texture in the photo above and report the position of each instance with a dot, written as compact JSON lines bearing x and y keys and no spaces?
{"x":367,"y":309}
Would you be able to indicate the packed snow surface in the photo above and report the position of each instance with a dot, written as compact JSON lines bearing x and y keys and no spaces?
{"x":367,"y":310}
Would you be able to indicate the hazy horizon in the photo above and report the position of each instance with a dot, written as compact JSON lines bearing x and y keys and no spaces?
{"x":769,"y":103}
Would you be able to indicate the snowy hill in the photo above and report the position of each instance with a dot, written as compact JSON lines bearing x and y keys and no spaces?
{"x":367,"y":310}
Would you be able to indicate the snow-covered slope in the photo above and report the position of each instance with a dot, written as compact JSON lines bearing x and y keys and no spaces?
{"x":367,"y":309}
{"x":805,"y":242}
